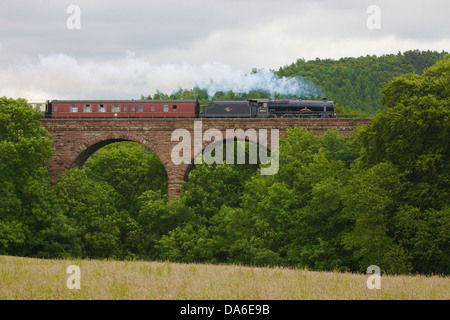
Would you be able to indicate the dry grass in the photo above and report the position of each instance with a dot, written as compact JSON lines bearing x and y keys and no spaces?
{"x":25,"y":278}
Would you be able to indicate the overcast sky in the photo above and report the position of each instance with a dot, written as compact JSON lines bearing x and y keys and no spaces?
{"x":123,"y":49}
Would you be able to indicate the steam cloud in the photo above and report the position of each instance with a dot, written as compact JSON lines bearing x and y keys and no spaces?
{"x":60,"y":76}
{"x":263,"y":80}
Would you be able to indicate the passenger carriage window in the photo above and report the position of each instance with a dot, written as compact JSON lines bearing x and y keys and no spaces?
{"x":174,"y":107}
{"x":55,"y":108}
{"x":166,"y":108}
{"x":87,"y":108}
{"x":125,"y":108}
{"x":101,"y":108}
{"x":73,"y":108}
{"x":140,"y":108}
{"x":115,"y":108}
{"x":152,"y":108}
{"x":132,"y":108}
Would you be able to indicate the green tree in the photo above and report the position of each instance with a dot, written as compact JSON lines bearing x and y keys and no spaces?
{"x":371,"y":200}
{"x":318,"y":229}
{"x":211,"y":186}
{"x":398,"y":196}
{"x":89,"y":206}
{"x":296,"y":213}
{"x":157,"y":217}
{"x":233,"y":237}
{"x":413,"y":133}
{"x":425,"y":236}
{"x":130,"y":169}
{"x":188,"y":243}
{"x":29,"y":222}
{"x":271,"y":206}
{"x":354,"y":83}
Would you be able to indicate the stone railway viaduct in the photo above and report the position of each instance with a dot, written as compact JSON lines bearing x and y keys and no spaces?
{"x":75,"y":140}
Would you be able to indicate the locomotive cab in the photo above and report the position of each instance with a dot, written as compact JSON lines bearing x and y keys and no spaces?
{"x":260,"y":107}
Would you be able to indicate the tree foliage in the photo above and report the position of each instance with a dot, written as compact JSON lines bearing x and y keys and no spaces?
{"x":30,"y":224}
{"x":413,"y":133}
{"x":355,"y":83}
{"x":379,"y":197}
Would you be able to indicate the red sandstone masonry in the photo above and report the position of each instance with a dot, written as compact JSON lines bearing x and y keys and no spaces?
{"x":75,"y":136}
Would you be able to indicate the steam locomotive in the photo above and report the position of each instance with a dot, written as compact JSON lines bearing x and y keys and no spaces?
{"x":252,"y":108}
{"x":265,"y":108}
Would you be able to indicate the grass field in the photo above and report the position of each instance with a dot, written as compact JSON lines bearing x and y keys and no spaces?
{"x":26,"y":278}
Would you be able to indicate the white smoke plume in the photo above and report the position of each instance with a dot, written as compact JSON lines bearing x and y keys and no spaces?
{"x":265,"y":80}
{"x":60,"y":76}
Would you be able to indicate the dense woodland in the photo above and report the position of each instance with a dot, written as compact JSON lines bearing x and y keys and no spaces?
{"x":379,"y":197}
{"x":355,"y":83}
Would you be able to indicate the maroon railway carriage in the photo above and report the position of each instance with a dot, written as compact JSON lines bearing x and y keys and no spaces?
{"x":123,"y":109}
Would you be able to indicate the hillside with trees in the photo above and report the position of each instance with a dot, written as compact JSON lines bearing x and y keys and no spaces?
{"x":353,"y":83}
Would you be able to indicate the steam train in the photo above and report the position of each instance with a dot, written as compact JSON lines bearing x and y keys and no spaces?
{"x":252,"y":108}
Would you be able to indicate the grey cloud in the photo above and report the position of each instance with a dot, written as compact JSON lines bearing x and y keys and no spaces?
{"x":175,"y":42}
{"x":108,"y":28}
